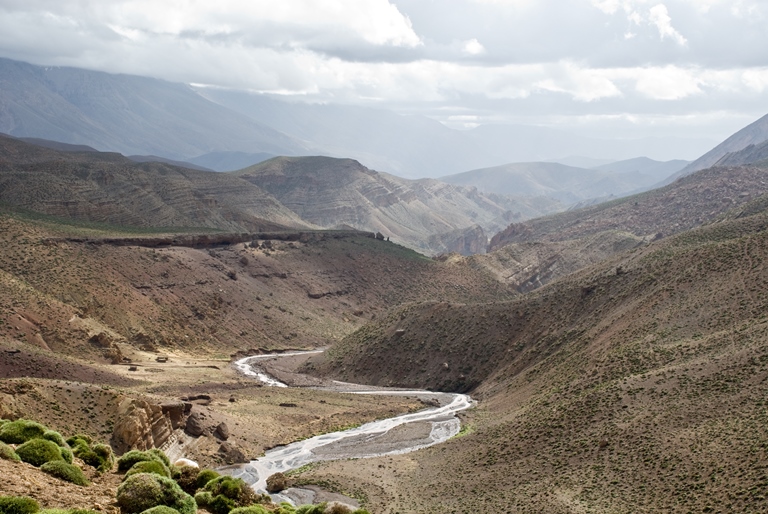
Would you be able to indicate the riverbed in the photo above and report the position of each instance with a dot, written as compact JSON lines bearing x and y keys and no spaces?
{"x":399,"y":434}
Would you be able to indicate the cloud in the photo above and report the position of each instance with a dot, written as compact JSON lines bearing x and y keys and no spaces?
{"x":659,"y":16}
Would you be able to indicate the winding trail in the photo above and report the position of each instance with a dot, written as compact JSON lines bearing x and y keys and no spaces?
{"x":399,"y":434}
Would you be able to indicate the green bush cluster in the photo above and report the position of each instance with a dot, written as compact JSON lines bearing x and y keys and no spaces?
{"x":149,"y":466}
{"x":21,"y":431}
{"x":18,"y":505}
{"x":68,"y":511}
{"x":65,"y":471}
{"x":39,"y":451}
{"x":127,"y":461}
{"x":8,"y":453}
{"x":161,"y":509}
{"x":146,"y":490}
{"x":53,"y":436}
{"x":99,"y":456}
{"x":225,"y":493}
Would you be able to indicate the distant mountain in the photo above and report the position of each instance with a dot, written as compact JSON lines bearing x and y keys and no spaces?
{"x":155,"y":158}
{"x":57,"y":145}
{"x":753,"y":134}
{"x":656,"y":170}
{"x":430,"y":216}
{"x":567,"y":184}
{"x":581,"y":162}
{"x":752,"y":154}
{"x":110,"y":188}
{"x":230,"y":161}
{"x":128,"y":114}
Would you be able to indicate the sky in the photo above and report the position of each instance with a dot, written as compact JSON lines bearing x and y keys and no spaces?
{"x":609,"y":68}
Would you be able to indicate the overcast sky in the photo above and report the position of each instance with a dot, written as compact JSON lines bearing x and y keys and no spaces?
{"x":619,"y":67}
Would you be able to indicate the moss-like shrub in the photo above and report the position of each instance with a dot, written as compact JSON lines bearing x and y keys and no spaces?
{"x":68,"y":511}
{"x":127,"y":461}
{"x":52,"y":435}
{"x":312,"y":509}
{"x":228,"y":493}
{"x":205,"y":476}
{"x":8,"y":453}
{"x":146,"y":490}
{"x":161,"y":456}
{"x":220,"y":504}
{"x":65,"y":471}
{"x":161,"y":509}
{"x":149,"y":466}
{"x":21,"y":431}
{"x":257,"y":509}
{"x":73,"y":441}
{"x":4,"y":421}
{"x":66,"y":454}
{"x":39,"y":451}
{"x":187,"y":478}
{"x":18,"y":505}
{"x":203,"y":499}
{"x":99,"y":456}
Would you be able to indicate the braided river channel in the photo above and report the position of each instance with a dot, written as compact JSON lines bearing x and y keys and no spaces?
{"x":400,"y":434}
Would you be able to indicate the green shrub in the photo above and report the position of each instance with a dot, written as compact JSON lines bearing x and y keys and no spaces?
{"x":146,"y":490}
{"x":205,"y":476}
{"x":203,"y":499}
{"x":187,"y":478}
{"x":257,"y":509}
{"x":127,"y":461}
{"x":39,"y":451}
{"x":99,"y":456}
{"x":66,"y":454}
{"x":65,"y":471}
{"x":220,"y":504}
{"x":18,"y":505}
{"x":21,"y":431}
{"x":312,"y":509}
{"x":161,"y":509}
{"x":4,"y":421}
{"x":8,"y":453}
{"x":149,"y":466}
{"x":68,"y":511}
{"x":73,"y":441}
{"x":52,"y":435}
{"x":160,"y":455}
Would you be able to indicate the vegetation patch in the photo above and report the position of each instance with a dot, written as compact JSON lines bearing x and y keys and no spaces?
{"x":8,"y":453}
{"x":149,"y":466}
{"x":18,"y":505}
{"x":65,"y":471}
{"x":143,"y":491}
{"x":127,"y":461}
{"x":39,"y":451}
{"x":21,"y":431}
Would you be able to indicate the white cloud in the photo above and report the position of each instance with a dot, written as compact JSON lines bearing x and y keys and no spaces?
{"x":473,"y":47}
{"x":659,"y":16}
{"x":667,"y":83}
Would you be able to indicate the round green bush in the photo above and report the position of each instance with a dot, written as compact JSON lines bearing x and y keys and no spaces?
{"x":149,"y":466}
{"x":39,"y":451}
{"x":68,"y":511}
{"x":312,"y":509}
{"x":21,"y":431}
{"x":160,"y":455}
{"x":52,"y":435}
{"x":205,"y":476}
{"x":66,"y":454}
{"x":65,"y":471}
{"x":99,"y":456}
{"x":203,"y":499}
{"x":4,"y":421}
{"x":127,"y":461}
{"x":8,"y":453}
{"x":187,"y":478}
{"x":161,"y":509}
{"x":143,"y":491}
{"x":254,"y":509}
{"x":72,"y":441}
{"x":220,"y":504}
{"x":18,"y":505}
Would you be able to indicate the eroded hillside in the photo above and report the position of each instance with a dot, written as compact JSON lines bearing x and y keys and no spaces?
{"x":637,"y":385}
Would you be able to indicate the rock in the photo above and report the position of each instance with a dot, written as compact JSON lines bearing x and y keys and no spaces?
{"x":186,"y":462}
{"x":194,"y":426}
{"x":175,"y":412}
{"x":276,"y":483}
{"x":232,"y":454}
{"x":222,"y":431}
{"x":140,"y":426}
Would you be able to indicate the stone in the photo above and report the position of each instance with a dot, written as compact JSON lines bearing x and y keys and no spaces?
{"x":276,"y":483}
{"x":140,"y":425}
{"x":222,"y":431}
{"x":232,"y":454}
{"x":194,"y":426}
{"x":175,"y":412}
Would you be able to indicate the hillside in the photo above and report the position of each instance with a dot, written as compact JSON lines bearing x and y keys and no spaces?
{"x":634,"y":385}
{"x":654,"y":170}
{"x":107,"y":187}
{"x":753,"y":134}
{"x":430,"y":216}
{"x":124,"y":113}
{"x":751,"y":154}
{"x":567,"y":184}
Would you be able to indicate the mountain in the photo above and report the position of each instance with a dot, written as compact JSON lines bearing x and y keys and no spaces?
{"x":107,"y":187}
{"x":330,"y":192}
{"x":416,"y":146}
{"x":230,"y":161}
{"x":635,"y":385}
{"x":753,"y":134}
{"x":124,"y":113}
{"x":751,"y":154}
{"x":567,"y":184}
{"x":655,"y":170}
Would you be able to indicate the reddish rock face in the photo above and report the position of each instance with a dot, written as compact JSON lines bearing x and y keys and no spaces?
{"x":140,"y":426}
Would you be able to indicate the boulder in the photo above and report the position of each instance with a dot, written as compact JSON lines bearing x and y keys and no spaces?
{"x":276,"y":483}
{"x":232,"y":454}
{"x":175,"y":412}
{"x":140,"y":425}
{"x":194,"y":426}
{"x":222,"y":431}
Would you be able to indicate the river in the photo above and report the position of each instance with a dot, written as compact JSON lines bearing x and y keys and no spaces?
{"x":399,"y":434}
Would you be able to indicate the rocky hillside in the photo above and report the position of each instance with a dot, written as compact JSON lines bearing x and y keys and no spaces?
{"x":430,"y":216}
{"x":635,"y":385}
{"x":751,"y":154}
{"x":753,"y":134}
{"x":107,"y":187}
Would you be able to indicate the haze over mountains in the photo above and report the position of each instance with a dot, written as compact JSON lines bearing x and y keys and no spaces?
{"x":141,"y":116}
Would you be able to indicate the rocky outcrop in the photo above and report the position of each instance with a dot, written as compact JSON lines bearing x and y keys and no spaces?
{"x":140,"y":425}
{"x":194,"y":426}
{"x":232,"y":454}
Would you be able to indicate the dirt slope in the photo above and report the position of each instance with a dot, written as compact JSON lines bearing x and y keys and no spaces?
{"x":637,"y":385}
